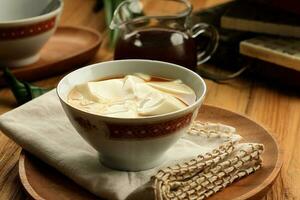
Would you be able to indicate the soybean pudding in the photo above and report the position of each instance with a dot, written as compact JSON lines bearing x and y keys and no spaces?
{"x":132,"y":96}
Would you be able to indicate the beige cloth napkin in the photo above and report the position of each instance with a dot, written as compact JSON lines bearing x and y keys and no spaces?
{"x":42,"y":128}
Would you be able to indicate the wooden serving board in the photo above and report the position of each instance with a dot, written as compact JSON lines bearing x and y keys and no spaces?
{"x":67,"y":49}
{"x":43,"y":182}
{"x":256,"y":17}
{"x":280,"y":51}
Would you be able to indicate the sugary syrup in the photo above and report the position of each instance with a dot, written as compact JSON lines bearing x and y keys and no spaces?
{"x":158,"y":44}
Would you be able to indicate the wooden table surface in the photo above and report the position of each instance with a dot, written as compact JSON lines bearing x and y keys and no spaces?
{"x":276,"y":109}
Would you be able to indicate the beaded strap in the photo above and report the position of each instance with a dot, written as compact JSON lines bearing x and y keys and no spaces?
{"x":207,"y":174}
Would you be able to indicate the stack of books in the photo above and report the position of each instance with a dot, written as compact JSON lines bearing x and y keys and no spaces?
{"x":263,"y":30}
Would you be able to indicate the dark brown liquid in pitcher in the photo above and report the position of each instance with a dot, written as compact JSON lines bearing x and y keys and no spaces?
{"x":158,"y":44}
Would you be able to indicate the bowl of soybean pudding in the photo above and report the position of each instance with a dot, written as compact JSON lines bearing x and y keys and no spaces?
{"x":132,"y":96}
{"x":131,"y":111}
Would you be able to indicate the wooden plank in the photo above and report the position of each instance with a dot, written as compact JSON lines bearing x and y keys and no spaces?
{"x":10,"y":186}
{"x":232,"y":95}
{"x":279,"y":111}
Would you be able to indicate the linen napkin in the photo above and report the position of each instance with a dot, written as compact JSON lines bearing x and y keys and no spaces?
{"x":205,"y":160}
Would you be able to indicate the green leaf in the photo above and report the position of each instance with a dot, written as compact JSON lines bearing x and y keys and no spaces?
{"x":109,"y":9}
{"x":110,"y":6}
{"x":22,"y":91}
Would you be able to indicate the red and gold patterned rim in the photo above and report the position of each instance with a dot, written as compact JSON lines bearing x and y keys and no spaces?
{"x":118,"y":131}
{"x":9,"y":33}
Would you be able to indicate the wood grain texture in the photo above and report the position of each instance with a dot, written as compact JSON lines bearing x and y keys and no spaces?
{"x":43,"y":182}
{"x":281,"y":114}
{"x":278,"y":110}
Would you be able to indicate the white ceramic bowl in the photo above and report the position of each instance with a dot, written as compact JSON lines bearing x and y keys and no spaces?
{"x":25,"y":26}
{"x":136,"y":143}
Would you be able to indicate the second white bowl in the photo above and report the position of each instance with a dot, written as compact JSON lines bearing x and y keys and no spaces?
{"x":25,"y":26}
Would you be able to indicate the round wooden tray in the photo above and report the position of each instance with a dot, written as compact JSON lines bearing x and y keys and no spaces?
{"x":43,"y":182}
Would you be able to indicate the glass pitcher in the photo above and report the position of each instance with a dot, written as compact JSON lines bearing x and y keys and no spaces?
{"x":161,"y":30}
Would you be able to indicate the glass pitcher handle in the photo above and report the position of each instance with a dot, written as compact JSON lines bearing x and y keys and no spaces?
{"x":202,"y":28}
{"x":203,"y":56}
